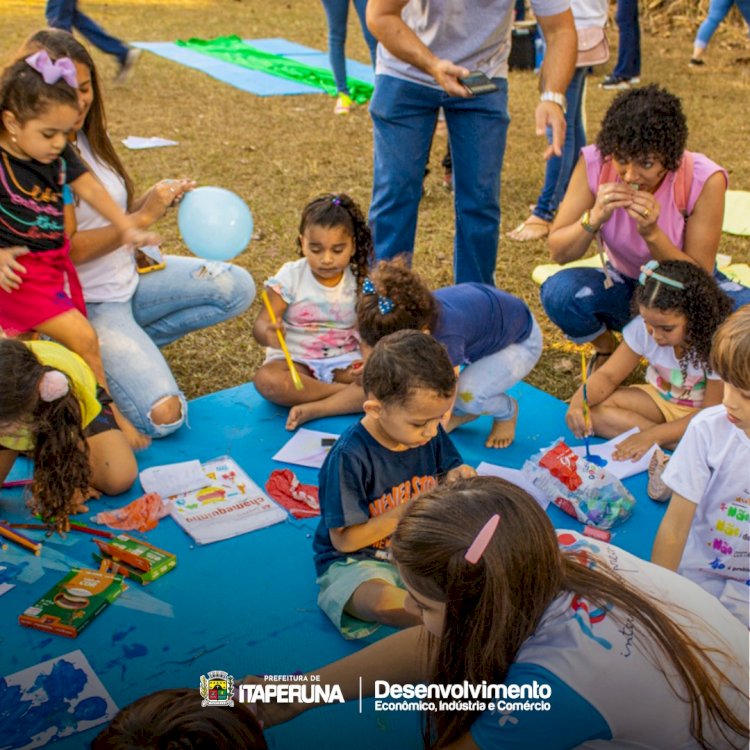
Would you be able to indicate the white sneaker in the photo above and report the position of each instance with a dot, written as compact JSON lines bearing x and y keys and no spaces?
{"x":126,"y":69}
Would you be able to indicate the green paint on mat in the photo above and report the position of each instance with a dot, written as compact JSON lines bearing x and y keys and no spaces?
{"x":233,"y":50}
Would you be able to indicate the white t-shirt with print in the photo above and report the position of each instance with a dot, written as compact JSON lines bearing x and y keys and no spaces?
{"x":711,"y":468}
{"x":610,"y":686}
{"x":320,"y":321}
{"x":664,"y":368}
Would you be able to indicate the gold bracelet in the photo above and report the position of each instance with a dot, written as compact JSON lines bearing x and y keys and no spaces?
{"x":586,"y":223}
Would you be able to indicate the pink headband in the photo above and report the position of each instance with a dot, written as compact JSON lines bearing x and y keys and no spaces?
{"x":481,"y":540}
{"x":53,"y":70}
{"x":53,"y":385}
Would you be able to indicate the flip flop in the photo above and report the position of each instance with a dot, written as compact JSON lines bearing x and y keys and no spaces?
{"x":533,"y":228}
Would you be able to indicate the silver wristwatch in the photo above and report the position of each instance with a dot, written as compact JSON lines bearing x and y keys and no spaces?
{"x":553,"y":96}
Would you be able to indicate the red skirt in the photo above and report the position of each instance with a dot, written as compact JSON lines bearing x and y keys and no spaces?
{"x":49,"y":288}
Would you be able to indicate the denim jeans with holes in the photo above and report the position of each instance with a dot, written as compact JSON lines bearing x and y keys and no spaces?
{"x":167,"y":304}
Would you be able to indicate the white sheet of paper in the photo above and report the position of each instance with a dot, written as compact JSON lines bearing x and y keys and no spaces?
{"x":135,"y":142}
{"x":37,"y":684}
{"x":172,"y":479}
{"x":621,"y":469}
{"x":305,"y":448}
{"x":515,"y":476}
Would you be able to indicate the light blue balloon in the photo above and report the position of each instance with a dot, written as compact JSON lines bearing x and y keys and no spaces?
{"x":215,"y":223}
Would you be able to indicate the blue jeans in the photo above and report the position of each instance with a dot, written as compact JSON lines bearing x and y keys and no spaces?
{"x":577,"y":302}
{"x":629,"y":47}
{"x":337,"y":13}
{"x":482,"y":385}
{"x":167,"y":304}
{"x":63,"y":14}
{"x":404,"y":115}
{"x":559,"y":168}
{"x":717,"y":12}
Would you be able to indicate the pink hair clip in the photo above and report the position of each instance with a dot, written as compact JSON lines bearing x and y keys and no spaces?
{"x":53,"y":385}
{"x":481,"y":540}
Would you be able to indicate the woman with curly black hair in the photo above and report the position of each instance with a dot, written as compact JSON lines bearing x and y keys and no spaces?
{"x":644,"y":197}
{"x":679,"y":307}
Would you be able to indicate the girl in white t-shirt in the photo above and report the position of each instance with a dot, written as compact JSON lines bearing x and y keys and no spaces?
{"x":314,"y":301}
{"x":680,"y":307}
{"x":705,"y":534}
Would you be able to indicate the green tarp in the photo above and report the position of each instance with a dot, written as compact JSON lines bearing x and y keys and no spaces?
{"x":233,"y":50}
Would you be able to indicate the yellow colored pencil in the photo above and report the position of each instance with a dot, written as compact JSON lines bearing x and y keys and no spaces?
{"x":289,"y":363}
{"x":20,"y":539}
{"x":586,"y":415}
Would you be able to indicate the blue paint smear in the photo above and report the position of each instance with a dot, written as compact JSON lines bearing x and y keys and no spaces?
{"x":134,"y":650}
{"x":122,"y":634}
{"x":21,"y":720}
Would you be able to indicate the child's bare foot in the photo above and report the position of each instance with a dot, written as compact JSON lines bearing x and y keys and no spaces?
{"x":502,"y":433}
{"x":457,"y":420}
{"x":302,"y":413}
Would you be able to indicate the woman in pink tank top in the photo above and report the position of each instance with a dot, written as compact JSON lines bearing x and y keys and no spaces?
{"x":639,"y":196}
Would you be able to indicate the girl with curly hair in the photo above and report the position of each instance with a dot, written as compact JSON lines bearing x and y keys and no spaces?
{"x":52,"y":409}
{"x":627,"y":654}
{"x":641,"y":196}
{"x":679,"y":307}
{"x":491,"y":337}
{"x":314,"y":300}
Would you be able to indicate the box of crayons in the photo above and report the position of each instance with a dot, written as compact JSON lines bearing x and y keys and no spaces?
{"x":135,"y":558}
{"x":72,"y":603}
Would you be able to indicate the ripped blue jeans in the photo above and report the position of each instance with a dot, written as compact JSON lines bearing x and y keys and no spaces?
{"x":166,"y":305}
{"x":482,"y":385}
{"x":577,"y":302}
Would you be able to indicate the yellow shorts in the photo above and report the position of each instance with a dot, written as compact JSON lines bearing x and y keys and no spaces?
{"x":669,"y":410}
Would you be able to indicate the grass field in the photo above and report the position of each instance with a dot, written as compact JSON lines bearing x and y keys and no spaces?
{"x":278,"y":152}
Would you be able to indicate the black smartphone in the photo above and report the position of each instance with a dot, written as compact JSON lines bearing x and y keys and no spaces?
{"x":477,"y":83}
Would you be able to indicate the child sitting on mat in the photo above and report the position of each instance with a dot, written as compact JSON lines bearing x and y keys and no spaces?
{"x":314,"y":301}
{"x":397,"y":450}
{"x":680,"y":307}
{"x":705,"y":531}
{"x":174,"y":718}
{"x":51,"y":407}
{"x":39,"y":287}
{"x":488,"y":332}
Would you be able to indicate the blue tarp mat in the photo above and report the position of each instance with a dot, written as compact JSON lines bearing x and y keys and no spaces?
{"x":248,"y":604}
{"x":255,"y":81}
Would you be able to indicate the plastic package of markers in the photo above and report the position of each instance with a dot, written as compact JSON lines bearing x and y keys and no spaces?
{"x":580,"y":488}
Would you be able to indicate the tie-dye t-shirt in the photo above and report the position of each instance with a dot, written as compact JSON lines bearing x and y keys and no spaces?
{"x":320,"y":321}
{"x":664,"y":371}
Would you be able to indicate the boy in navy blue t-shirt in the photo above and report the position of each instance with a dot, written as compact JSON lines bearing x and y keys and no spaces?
{"x":397,"y":450}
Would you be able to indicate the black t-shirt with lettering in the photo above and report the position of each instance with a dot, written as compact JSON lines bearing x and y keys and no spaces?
{"x":361,"y":479}
{"x":31,"y":199}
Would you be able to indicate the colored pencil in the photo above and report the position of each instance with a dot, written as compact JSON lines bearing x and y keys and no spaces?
{"x":585,"y":405}
{"x":74,"y":526}
{"x":289,"y":363}
{"x":20,"y":539}
{"x":16,"y":483}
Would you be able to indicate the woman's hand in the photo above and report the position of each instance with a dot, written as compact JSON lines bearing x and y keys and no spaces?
{"x":10,"y":268}
{"x":163,"y":195}
{"x":634,"y":447}
{"x":609,"y":197}
{"x":644,"y":210}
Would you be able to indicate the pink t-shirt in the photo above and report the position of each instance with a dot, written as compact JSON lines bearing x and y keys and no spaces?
{"x":626,"y":249}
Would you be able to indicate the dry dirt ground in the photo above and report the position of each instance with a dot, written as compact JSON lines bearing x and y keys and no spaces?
{"x":278,"y":152}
